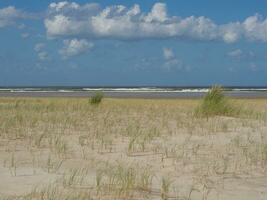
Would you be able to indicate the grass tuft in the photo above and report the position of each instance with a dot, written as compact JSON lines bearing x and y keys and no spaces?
{"x":97,"y":98}
{"x":165,"y":187}
{"x":215,"y":103}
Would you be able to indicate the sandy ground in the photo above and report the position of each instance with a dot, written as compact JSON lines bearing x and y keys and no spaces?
{"x":130,"y":149}
{"x":142,"y":95}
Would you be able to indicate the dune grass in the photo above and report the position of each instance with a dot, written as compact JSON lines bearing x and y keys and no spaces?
{"x":96,"y":98}
{"x":128,"y":149}
{"x":215,"y":103}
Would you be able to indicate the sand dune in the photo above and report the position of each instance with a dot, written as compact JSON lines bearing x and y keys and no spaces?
{"x":55,"y":148}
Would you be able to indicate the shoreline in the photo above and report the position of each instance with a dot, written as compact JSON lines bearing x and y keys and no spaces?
{"x":138,"y":95}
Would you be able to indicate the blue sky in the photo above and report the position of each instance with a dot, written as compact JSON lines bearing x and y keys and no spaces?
{"x":134,"y":42}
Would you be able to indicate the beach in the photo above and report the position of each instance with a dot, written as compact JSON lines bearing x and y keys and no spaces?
{"x":130,"y":148}
{"x":133,"y":100}
{"x":147,"y":94}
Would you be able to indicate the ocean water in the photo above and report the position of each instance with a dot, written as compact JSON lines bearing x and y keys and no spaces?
{"x":171,"y":92}
{"x":128,"y":89}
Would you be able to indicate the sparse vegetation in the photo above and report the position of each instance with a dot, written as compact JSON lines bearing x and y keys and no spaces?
{"x":96,"y":98}
{"x":165,"y":188}
{"x":130,"y":149}
{"x":215,"y":103}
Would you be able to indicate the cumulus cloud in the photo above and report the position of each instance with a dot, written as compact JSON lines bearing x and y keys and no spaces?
{"x":171,"y":61}
{"x":75,"y":47}
{"x":256,"y":28}
{"x":242,"y":55}
{"x":168,"y":53}
{"x":41,"y":52}
{"x":65,"y":19}
{"x":119,"y":22}
{"x":68,"y":7}
{"x":157,"y":14}
{"x":39,"y":46}
{"x":235,"y":53}
{"x":43,"y":55}
{"x":10,"y":14}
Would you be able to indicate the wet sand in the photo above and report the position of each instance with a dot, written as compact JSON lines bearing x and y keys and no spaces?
{"x":143,"y":95}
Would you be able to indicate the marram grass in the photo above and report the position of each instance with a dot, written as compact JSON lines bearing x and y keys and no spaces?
{"x":215,"y":103}
{"x":129,"y":149}
{"x":97,"y":98}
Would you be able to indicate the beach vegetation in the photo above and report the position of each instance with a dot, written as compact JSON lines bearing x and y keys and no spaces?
{"x":215,"y":103}
{"x":96,"y":98}
{"x":129,"y":149}
{"x":165,"y":187}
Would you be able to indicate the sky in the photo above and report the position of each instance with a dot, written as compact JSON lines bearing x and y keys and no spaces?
{"x":133,"y":43}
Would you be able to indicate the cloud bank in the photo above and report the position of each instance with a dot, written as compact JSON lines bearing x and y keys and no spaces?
{"x":70,"y":19}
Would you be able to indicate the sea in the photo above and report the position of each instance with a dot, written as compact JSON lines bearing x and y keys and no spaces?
{"x":131,"y":91}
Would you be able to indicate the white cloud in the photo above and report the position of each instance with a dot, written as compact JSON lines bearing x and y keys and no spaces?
{"x":69,"y":7}
{"x":242,"y":55}
{"x":171,"y":61}
{"x":10,"y":14}
{"x":39,"y":46}
{"x":75,"y":47}
{"x":256,"y":28}
{"x":235,"y":53}
{"x":41,"y":52}
{"x":168,"y":53}
{"x":157,"y":14}
{"x":119,"y":22}
{"x":43,"y":55}
{"x":63,"y":5}
{"x":25,"y":35}
{"x":7,"y":16}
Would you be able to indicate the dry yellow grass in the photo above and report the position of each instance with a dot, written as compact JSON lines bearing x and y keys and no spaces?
{"x":55,"y":148}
